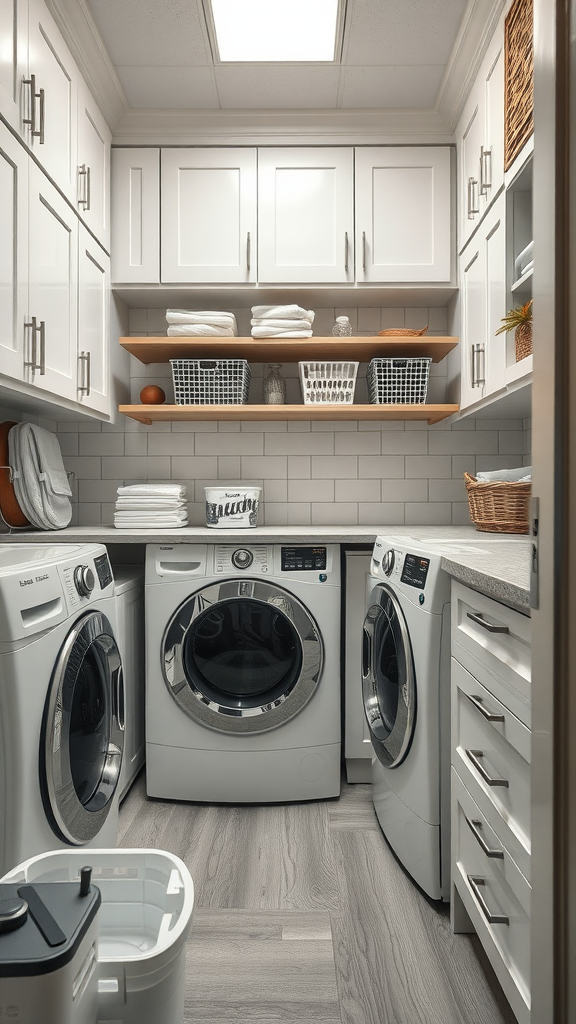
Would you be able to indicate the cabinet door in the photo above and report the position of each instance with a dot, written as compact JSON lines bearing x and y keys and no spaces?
{"x":55,"y":103}
{"x":208,"y":215}
{"x":93,"y":324}
{"x":93,"y":167}
{"x":494,"y":239}
{"x":13,"y":59}
{"x":13,"y":253}
{"x":403,"y":214}
{"x":472,"y":341}
{"x":53,"y":287}
{"x":305,"y":215}
{"x":492,"y":155}
{"x":471,"y":139}
{"x":135,"y":217}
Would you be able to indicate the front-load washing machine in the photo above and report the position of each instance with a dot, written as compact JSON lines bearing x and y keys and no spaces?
{"x":243,"y":672}
{"x":61,"y":700}
{"x":406,"y":690}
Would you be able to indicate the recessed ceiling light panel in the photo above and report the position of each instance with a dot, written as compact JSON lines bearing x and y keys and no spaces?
{"x":276,"y":30}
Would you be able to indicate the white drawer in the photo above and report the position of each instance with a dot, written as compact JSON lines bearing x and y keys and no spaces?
{"x":494,"y":643}
{"x":492,"y":755}
{"x":497,"y":899}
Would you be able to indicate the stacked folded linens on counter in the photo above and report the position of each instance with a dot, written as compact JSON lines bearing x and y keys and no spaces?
{"x":281,"y":322}
{"x":200,"y":323}
{"x":151,"y":507}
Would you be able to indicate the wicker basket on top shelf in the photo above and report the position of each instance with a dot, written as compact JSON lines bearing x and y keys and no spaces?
{"x":518,"y":78}
{"x":498,"y":506}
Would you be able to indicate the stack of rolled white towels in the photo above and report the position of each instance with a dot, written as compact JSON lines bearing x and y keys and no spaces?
{"x":200,"y":323}
{"x":151,"y":506}
{"x":281,"y":322}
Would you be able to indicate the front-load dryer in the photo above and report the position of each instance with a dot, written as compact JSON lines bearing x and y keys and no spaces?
{"x":61,"y":700}
{"x":243,"y":672}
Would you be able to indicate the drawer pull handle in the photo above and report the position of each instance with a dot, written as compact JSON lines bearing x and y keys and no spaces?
{"x":475,"y":881}
{"x":490,"y":626}
{"x":476,"y":830}
{"x":474,"y":756}
{"x":478,"y":704}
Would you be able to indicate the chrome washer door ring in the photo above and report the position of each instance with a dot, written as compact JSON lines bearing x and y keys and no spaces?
{"x":242,"y":656}
{"x":83,"y":731}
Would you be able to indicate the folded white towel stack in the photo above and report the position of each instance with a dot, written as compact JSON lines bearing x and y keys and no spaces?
{"x":522,"y":475}
{"x":200,"y":323}
{"x":281,"y":322}
{"x":151,"y":506}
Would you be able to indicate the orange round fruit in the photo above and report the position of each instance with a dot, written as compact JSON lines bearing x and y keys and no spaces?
{"x":152,"y":395}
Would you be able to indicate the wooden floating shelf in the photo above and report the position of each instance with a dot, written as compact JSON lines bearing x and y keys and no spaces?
{"x":180,"y":413}
{"x":289,"y":350}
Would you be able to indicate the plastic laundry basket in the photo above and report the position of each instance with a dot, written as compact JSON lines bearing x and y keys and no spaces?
{"x":144,"y":921}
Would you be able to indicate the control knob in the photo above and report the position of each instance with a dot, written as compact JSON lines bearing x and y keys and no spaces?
{"x":242,"y":558}
{"x":84,"y":580}
{"x":388,"y":562}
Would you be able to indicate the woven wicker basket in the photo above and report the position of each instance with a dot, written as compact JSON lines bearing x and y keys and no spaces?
{"x":499,"y":506}
{"x":518,"y":78}
{"x":402,"y":332}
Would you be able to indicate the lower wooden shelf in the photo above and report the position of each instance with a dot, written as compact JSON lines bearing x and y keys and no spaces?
{"x":180,"y":413}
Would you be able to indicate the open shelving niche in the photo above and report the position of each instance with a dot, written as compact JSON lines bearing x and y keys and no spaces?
{"x":160,"y":350}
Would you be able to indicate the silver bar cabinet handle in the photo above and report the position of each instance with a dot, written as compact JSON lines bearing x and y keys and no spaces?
{"x":346,"y":252}
{"x":88,"y":190}
{"x":82,"y":185}
{"x":248,"y":250}
{"x":473,"y":207}
{"x":42,"y":366}
{"x":485,"y":170}
{"x":32,"y":362}
{"x":474,"y":756}
{"x":40,"y":133}
{"x":32,"y":119}
{"x":478,"y":376}
{"x":477,"y":703}
{"x":363,"y":250}
{"x":84,"y":357}
{"x":490,"y":626}
{"x":475,"y":881}
{"x":476,"y":830}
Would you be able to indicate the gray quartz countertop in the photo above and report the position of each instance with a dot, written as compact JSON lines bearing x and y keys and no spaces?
{"x":496,"y":565}
{"x":500,"y":569}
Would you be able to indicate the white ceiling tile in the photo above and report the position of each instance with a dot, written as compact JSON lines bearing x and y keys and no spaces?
{"x":180,"y":88}
{"x":158,"y":33}
{"x":256,"y":87}
{"x":390,"y":87}
{"x":401,"y":32}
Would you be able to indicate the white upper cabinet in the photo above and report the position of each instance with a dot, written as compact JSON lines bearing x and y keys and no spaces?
{"x":13,"y":58}
{"x":50,"y":100}
{"x":403,"y":214}
{"x":305,"y":215}
{"x":483,"y":304}
{"x":93,"y":316}
{"x":52,"y":324}
{"x":480,"y":136}
{"x":93,"y":167}
{"x":208,"y":202}
{"x":13,"y":253}
{"x":135,"y":216}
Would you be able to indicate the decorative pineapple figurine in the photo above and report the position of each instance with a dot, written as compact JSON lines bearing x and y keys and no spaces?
{"x":520,"y":321}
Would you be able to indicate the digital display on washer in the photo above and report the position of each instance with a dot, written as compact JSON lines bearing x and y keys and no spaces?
{"x":415,"y":571}
{"x":303,"y":559}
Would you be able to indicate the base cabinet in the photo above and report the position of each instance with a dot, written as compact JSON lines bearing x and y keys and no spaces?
{"x":491,"y":784}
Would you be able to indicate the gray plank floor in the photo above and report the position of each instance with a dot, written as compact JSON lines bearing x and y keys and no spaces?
{"x":302,"y":914}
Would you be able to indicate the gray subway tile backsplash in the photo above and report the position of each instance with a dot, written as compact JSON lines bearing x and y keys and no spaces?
{"x":341,"y":472}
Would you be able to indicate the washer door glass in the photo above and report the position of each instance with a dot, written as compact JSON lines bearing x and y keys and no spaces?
{"x":388,"y":680}
{"x":242,"y":656}
{"x":83,"y":734}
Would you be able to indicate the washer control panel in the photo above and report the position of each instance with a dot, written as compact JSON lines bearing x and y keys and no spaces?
{"x":102,"y":566}
{"x":303,"y":559}
{"x":257,"y":558}
{"x":415,"y":571}
{"x":84,"y":580}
